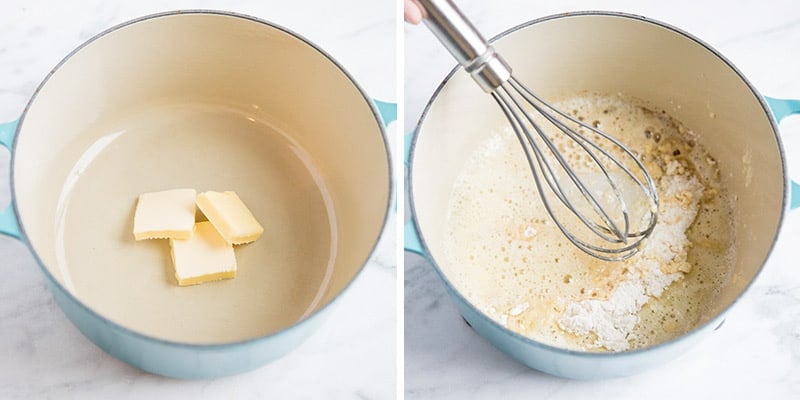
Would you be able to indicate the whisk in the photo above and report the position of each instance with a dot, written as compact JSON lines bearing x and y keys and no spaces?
{"x":612,"y":178}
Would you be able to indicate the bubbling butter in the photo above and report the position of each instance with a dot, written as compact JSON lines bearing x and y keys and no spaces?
{"x":506,"y":256}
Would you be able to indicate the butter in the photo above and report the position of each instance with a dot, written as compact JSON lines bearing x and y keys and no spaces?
{"x":165,"y":215}
{"x":227,"y":212}
{"x":204,"y":257}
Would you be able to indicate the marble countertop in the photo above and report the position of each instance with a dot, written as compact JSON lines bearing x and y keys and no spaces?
{"x":43,"y":356}
{"x":756,"y":354}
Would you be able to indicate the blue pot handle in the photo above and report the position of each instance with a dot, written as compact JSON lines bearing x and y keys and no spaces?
{"x":388,"y":111}
{"x":411,"y":240}
{"x":8,"y":220}
{"x":782,"y":108}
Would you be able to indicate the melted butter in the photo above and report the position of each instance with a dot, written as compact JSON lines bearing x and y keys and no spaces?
{"x":507,"y":257}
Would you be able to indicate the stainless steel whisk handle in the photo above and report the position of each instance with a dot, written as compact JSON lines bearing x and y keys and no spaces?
{"x":465,"y":43}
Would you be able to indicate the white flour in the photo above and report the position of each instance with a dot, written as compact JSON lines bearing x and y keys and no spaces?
{"x":612,"y":320}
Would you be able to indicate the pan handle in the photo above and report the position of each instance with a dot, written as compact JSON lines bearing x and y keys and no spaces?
{"x":388,"y":111}
{"x":411,"y":240}
{"x":782,"y":108}
{"x":8,"y":220}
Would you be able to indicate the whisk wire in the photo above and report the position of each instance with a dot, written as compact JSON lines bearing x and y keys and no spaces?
{"x":521,"y":121}
{"x":583,"y":245}
{"x":619,"y":236}
{"x":609,"y":220}
{"x":648,"y":184}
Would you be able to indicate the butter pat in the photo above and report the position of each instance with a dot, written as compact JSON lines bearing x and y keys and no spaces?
{"x":204,"y":257}
{"x":165,"y":215}
{"x":230,"y":216}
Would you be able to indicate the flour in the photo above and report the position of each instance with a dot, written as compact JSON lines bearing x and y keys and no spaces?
{"x":660,"y":262}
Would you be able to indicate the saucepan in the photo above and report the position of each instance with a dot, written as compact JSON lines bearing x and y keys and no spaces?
{"x":211,"y":101}
{"x":607,"y":52}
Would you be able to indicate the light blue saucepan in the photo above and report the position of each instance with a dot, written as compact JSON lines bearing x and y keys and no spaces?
{"x":213,"y":101}
{"x":610,"y":52}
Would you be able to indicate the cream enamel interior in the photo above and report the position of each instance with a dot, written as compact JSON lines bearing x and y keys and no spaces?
{"x":210,"y":102}
{"x":610,"y":54}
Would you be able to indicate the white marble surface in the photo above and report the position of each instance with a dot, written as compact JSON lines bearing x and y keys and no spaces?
{"x":756,"y":354}
{"x":43,"y":356}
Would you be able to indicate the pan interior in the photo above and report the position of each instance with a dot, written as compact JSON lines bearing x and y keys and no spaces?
{"x":609,"y":54}
{"x":210,"y":102}
{"x":280,"y":277}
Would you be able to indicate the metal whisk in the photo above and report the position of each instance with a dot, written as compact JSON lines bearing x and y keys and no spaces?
{"x":597,"y":200}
